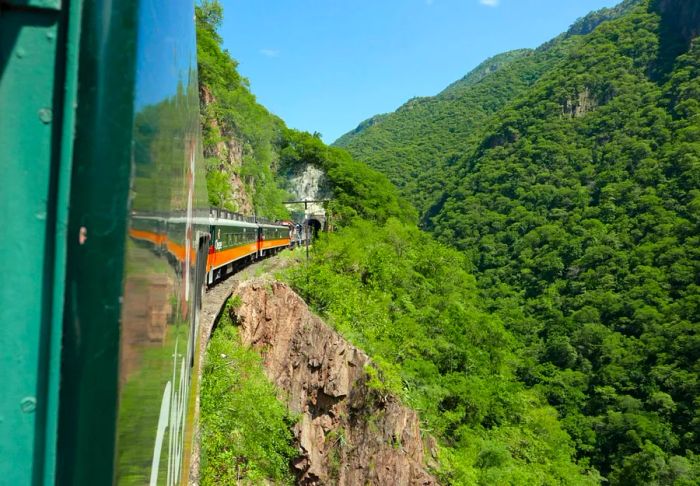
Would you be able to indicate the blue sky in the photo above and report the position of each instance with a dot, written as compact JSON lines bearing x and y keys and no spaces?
{"x":326,"y":65}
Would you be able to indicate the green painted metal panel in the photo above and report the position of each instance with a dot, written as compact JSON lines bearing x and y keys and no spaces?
{"x":129,"y":321}
{"x":37,"y":65}
{"x":72,"y":267}
{"x":95,"y":266}
{"x":38,"y":4}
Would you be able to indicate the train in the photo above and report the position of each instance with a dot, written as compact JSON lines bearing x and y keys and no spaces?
{"x":109,"y":241}
{"x":234,"y":240}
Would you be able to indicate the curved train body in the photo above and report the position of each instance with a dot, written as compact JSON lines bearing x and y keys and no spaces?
{"x":234,"y":240}
{"x":100,"y":149}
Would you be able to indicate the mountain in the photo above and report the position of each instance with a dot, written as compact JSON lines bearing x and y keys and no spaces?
{"x":570,"y":178}
{"x":250,"y":152}
{"x":417,"y":144}
{"x":390,"y":289}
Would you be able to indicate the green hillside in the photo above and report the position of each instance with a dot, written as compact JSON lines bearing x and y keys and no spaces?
{"x":417,"y":145}
{"x":232,"y":119}
{"x":570,"y":178}
{"x":556,"y":341}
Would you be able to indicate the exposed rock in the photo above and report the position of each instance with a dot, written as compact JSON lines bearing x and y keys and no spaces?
{"x":308,"y":182}
{"x":229,"y":151}
{"x":348,"y":434}
{"x":582,"y":104}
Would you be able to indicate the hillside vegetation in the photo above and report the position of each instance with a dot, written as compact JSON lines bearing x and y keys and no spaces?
{"x":547,"y":331}
{"x":420,"y":142}
{"x":245,"y":430}
{"x":412,"y":304}
{"x":240,"y":137}
{"x":569,"y":177}
{"x":248,"y":149}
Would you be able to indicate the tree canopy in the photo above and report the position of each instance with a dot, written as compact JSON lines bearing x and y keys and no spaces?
{"x":575,"y":197}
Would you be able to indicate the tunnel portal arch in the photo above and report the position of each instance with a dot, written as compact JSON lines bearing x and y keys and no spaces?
{"x":315,"y":225}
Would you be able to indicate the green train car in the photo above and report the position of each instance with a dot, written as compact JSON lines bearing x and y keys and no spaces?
{"x":99,"y":138}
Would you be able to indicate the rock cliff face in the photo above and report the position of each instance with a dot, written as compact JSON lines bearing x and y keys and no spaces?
{"x":308,"y":182}
{"x":229,"y":152}
{"x":349,"y":434}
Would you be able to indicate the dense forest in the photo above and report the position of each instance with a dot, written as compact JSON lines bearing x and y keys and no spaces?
{"x":545,"y":326}
{"x":420,"y":142}
{"x":569,"y":177}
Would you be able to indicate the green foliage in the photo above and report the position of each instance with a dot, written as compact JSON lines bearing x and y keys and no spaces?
{"x":267,"y":149}
{"x":408,"y":302}
{"x":417,"y":145}
{"x":246,"y":432}
{"x":240,"y":137}
{"x":219,"y":188}
{"x":358,"y":191}
{"x":157,"y":161}
{"x":570,"y":178}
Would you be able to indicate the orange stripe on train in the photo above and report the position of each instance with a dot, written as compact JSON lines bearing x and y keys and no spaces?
{"x":274,"y":243}
{"x":222,"y":257}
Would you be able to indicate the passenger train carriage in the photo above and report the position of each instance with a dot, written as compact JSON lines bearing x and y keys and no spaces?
{"x":103,"y":179}
{"x":234,"y":240}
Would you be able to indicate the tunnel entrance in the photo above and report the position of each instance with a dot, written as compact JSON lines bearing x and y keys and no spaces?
{"x":315,"y":226}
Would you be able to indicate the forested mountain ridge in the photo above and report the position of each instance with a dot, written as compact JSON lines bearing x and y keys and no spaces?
{"x":489,"y":66}
{"x":249,"y":150}
{"x":240,"y":137}
{"x":577,"y":202}
{"x":418,"y":142}
{"x":393,"y":291}
{"x":559,"y":340}
{"x":417,"y":145}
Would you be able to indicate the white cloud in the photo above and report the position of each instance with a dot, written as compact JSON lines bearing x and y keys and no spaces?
{"x":490,"y":3}
{"x":269,"y":52}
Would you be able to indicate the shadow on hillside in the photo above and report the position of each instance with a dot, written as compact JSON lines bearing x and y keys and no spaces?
{"x":680,"y":23}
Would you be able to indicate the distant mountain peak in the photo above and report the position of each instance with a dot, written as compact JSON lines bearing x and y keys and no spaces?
{"x":489,"y":66}
{"x":588,"y":23}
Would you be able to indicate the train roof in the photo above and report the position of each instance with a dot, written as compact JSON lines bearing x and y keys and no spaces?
{"x":211,"y":222}
{"x":265,"y":225}
{"x":217,"y":222}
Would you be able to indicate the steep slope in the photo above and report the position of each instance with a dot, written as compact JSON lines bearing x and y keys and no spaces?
{"x":348,"y":432}
{"x":417,"y":145}
{"x":413,"y":145}
{"x":240,"y":136}
{"x":408,"y":302}
{"x":577,"y":202}
{"x":251,"y":154}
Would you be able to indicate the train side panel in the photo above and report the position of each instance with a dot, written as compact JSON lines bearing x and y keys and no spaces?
{"x":273,"y":237}
{"x":38,"y":67}
{"x":135,"y":274}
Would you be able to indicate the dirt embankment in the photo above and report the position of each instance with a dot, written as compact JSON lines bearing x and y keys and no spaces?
{"x":348,"y":433}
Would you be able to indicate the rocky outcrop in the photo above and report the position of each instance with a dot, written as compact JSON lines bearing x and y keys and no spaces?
{"x":348,"y":433}
{"x":229,"y":152}
{"x":306,"y":182}
{"x":583,"y":103}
